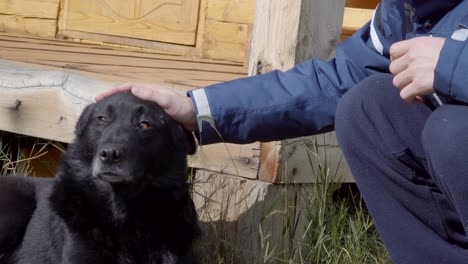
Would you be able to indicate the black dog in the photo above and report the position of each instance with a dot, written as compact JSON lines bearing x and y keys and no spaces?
{"x":120,"y":194}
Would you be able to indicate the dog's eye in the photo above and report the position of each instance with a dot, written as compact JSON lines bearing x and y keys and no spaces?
{"x":144,"y":124}
{"x":101,"y":119}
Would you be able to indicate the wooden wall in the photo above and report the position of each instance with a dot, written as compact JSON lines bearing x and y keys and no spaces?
{"x":35,"y":17}
{"x":228,"y":29}
{"x":223,"y":32}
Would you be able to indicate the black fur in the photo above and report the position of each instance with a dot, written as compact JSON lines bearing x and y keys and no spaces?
{"x":119,"y":196}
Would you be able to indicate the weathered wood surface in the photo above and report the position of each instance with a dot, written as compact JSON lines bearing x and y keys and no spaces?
{"x":355,"y":18}
{"x":172,"y":21}
{"x":46,"y":103}
{"x":228,"y":29}
{"x":43,"y":103}
{"x":287,"y":33}
{"x":37,"y":17}
{"x":223,"y":32}
{"x":249,"y":215}
{"x":119,"y":65}
{"x":89,"y":21}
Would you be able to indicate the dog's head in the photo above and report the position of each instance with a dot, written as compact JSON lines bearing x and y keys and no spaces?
{"x":123,"y":140}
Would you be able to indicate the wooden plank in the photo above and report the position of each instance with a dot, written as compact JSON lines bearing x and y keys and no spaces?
{"x":131,"y":42}
{"x":119,"y":66}
{"x":368,"y":4}
{"x":172,"y":21}
{"x":241,"y":12}
{"x":41,"y":9}
{"x":355,"y":18}
{"x":171,"y":74}
{"x":287,"y":33}
{"x":238,"y":160}
{"x":29,"y":25}
{"x":43,"y":103}
{"x":228,"y":28}
{"x":93,"y":48}
{"x":225,"y":40}
{"x":37,"y":17}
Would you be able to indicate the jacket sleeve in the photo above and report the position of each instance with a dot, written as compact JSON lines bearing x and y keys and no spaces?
{"x":279,"y":105}
{"x":451,"y":78}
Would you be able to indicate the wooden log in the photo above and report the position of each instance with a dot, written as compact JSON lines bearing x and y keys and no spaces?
{"x":286,"y":33}
{"x":43,"y":103}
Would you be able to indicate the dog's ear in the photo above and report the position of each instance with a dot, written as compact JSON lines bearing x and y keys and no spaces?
{"x":83,"y":120}
{"x":187,"y":138}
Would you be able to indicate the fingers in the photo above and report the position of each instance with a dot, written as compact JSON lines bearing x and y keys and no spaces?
{"x":145,"y":93}
{"x":402,"y":79}
{"x":399,"y":49}
{"x":411,"y":94}
{"x":399,"y":65}
{"x":116,"y":89}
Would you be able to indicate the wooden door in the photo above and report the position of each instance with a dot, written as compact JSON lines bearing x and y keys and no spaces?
{"x":171,"y":21}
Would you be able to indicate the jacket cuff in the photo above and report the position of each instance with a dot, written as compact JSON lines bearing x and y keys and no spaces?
{"x":449,"y":71}
{"x":207,"y":132}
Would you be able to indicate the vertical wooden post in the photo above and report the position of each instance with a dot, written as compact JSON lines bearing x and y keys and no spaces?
{"x":287,"y":33}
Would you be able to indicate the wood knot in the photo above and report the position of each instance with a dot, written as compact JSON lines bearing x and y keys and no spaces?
{"x":259,"y":69}
{"x":245,"y":160}
{"x":18,"y":104}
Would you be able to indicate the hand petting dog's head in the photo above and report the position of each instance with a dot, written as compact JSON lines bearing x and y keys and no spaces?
{"x":125,"y":140}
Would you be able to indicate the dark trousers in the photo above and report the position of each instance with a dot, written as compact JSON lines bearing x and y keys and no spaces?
{"x":411,"y":166}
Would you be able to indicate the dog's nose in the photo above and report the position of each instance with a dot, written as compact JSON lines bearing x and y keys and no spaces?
{"x":110,"y":155}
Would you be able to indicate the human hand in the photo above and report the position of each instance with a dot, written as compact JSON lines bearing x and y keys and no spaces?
{"x":413,"y":65}
{"x":176,"y":105}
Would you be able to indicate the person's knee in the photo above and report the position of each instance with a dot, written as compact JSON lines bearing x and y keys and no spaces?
{"x":370,"y":93}
{"x":445,"y":133}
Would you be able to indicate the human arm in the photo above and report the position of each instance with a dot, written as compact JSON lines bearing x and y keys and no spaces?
{"x":451,"y":78}
{"x":278,"y":105}
{"x":272,"y":106}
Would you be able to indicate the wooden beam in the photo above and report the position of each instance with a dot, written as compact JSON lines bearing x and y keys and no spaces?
{"x":43,"y":103}
{"x":118,"y":65}
{"x":367,"y":4}
{"x":355,"y":18}
{"x":286,"y":33}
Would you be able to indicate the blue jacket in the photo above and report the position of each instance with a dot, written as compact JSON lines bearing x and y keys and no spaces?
{"x":302,"y":101}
